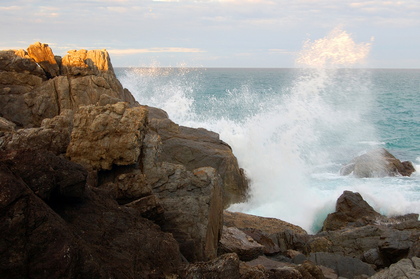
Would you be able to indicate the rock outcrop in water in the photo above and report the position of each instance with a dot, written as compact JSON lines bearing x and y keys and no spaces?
{"x":377,"y":163}
{"x":94,"y":185}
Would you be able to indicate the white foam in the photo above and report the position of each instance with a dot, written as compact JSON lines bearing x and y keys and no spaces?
{"x":290,"y":143}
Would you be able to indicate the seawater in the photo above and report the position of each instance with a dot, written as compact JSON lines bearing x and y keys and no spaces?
{"x":293,"y":129}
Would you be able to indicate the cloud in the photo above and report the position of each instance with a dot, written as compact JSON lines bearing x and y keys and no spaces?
{"x":10,"y":8}
{"x":154,"y":49}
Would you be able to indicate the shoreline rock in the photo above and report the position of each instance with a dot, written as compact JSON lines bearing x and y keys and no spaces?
{"x":377,"y":163}
{"x":133,"y":161}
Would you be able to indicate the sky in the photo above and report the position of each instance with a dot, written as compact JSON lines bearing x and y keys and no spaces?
{"x":213,"y":33}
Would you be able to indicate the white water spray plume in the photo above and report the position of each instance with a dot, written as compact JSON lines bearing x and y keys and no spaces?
{"x":292,"y":138}
{"x":336,"y":49}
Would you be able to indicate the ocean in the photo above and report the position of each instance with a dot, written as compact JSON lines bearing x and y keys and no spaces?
{"x":293,"y":129}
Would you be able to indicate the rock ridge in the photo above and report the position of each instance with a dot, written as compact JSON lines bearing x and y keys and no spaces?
{"x":107,"y":177}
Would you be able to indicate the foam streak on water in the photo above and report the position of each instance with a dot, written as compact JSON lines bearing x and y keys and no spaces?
{"x":290,"y":130}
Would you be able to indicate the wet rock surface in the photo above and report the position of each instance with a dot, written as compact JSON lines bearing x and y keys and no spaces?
{"x":377,"y":163}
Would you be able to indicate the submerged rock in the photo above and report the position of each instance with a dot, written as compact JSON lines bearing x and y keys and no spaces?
{"x":377,"y":163}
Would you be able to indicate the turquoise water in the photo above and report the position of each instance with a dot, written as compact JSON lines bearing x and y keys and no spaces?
{"x":293,"y":129}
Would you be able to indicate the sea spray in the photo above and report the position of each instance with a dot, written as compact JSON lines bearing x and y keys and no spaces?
{"x":291,"y":129}
{"x":317,"y":120}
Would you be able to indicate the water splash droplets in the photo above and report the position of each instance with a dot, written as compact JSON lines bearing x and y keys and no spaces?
{"x":336,"y":49}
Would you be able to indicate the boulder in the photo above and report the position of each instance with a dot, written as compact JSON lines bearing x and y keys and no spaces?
{"x":195,"y":148}
{"x":350,"y":210}
{"x":377,"y":163}
{"x":109,"y":135}
{"x":234,"y":240}
{"x":404,"y":269}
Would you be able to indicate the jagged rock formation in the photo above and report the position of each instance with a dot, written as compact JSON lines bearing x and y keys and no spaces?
{"x":129,"y":161}
{"x":55,"y":225}
{"x":351,"y":210}
{"x":40,"y":85}
{"x":377,"y":163}
{"x":356,"y":242}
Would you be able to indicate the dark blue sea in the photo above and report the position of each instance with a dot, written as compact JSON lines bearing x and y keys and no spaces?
{"x":293,"y":129}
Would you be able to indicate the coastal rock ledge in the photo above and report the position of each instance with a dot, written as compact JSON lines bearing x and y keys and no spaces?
{"x":95,"y":185}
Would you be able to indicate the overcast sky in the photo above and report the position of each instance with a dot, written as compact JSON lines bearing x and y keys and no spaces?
{"x":212,"y":33}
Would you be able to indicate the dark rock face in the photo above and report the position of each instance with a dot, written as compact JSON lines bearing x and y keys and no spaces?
{"x":53,"y":225}
{"x":195,"y":148}
{"x":48,"y":176}
{"x":377,"y":163}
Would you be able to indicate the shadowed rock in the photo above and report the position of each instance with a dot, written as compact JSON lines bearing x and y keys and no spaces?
{"x":53,"y":225}
{"x":351,"y":210}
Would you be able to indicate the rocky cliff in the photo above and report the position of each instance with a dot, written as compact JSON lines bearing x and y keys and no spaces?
{"x":94,"y":184}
